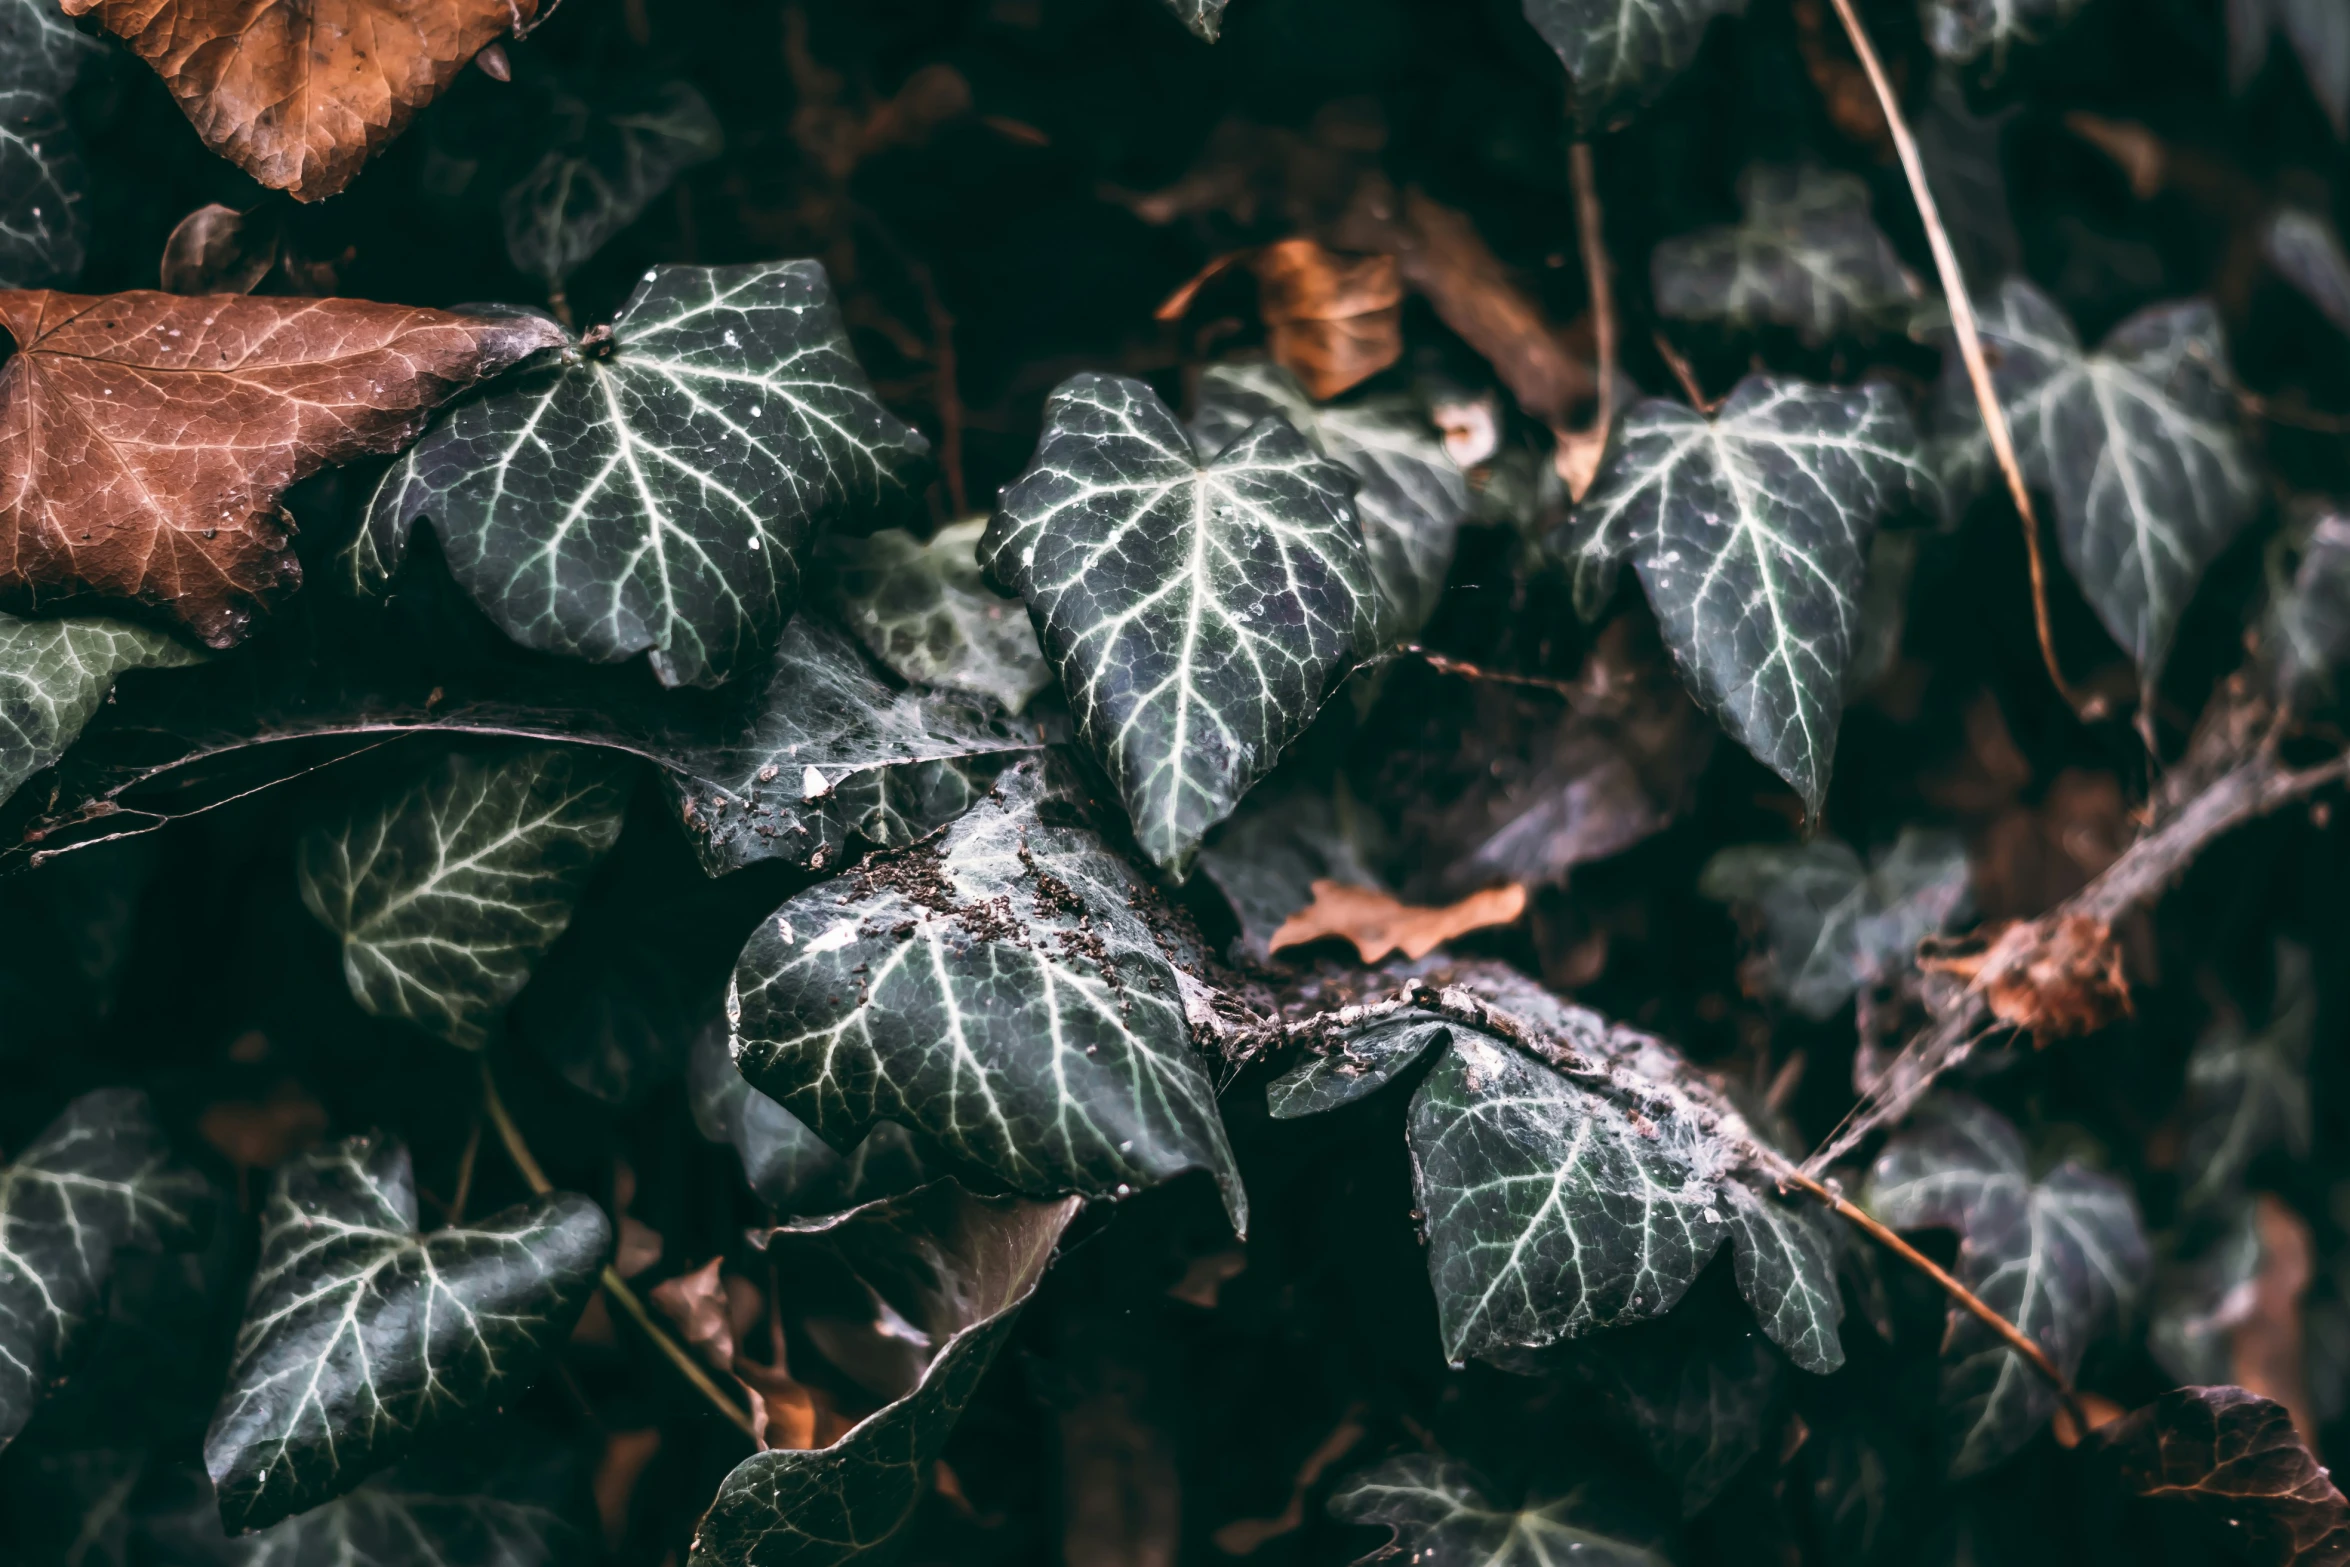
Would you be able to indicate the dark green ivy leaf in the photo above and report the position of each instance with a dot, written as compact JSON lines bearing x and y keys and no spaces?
{"x":656,"y":488}
{"x":55,"y":673}
{"x":448,"y":888}
{"x":1009,"y":990}
{"x":2307,"y":253}
{"x":1410,"y":497}
{"x":364,"y":1338}
{"x":1620,"y":54}
{"x":2134,"y":442}
{"x":2308,"y":638}
{"x":2320,"y":33}
{"x":955,"y":1270}
{"x":2247,"y":1094}
{"x":1750,"y":531}
{"x":1562,"y":1201}
{"x":1441,"y":1515}
{"x":1359,"y":1062}
{"x":791,"y":1168}
{"x":925,"y":611}
{"x":1806,"y":255}
{"x":1968,"y":171}
{"x":98,"y":1180}
{"x":1962,"y":31}
{"x":42,"y":181}
{"x":1197,"y":609}
{"x":609,"y":167}
{"x":2058,"y":1257}
{"x":1835,"y":926}
{"x":1204,"y":17}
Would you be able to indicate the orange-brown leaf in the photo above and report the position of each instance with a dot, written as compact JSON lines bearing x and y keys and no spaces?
{"x":1332,"y":320}
{"x":1378,"y":924}
{"x":300,"y":93}
{"x":145,"y":438}
{"x":2053,"y":978}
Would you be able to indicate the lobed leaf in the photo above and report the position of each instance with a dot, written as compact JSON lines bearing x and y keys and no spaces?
{"x":656,"y":491}
{"x":1620,"y":54}
{"x":1009,"y":991}
{"x":1805,"y":255}
{"x":98,"y":1181}
{"x":924,"y":610}
{"x":364,"y":1339}
{"x":601,"y":177}
{"x":1438,"y":1512}
{"x":790,"y":1168}
{"x":446,"y":890}
{"x":2133,"y":442}
{"x":1197,"y":609}
{"x":56,"y":674}
{"x":2228,"y":1464}
{"x":300,"y":93}
{"x":1359,"y":1062}
{"x":43,"y":183}
{"x":2058,"y":1257}
{"x":1750,"y":531}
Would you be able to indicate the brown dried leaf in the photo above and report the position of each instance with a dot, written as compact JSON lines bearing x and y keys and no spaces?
{"x":145,"y":438}
{"x":697,"y":1303}
{"x":1333,"y":320}
{"x":2266,"y":1347}
{"x":1378,"y":923}
{"x":2231,"y":1460}
{"x":2054,"y":978}
{"x":263,"y":1135}
{"x":300,"y":93}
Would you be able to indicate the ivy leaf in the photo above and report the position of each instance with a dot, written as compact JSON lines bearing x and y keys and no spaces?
{"x":99,"y":1180}
{"x":1963,"y":31}
{"x":656,"y":488}
{"x":1439,"y":1513}
{"x":1750,"y":531}
{"x":2309,"y":622}
{"x":2320,"y":34}
{"x":1835,"y":926}
{"x":2228,"y":1466}
{"x":1410,"y":498}
{"x":2308,"y":254}
{"x":1620,"y":54}
{"x":1359,"y":1063}
{"x":2133,"y":442}
{"x":828,"y":753}
{"x":603,"y":175}
{"x":2201,"y":1298}
{"x":300,"y":97}
{"x":790,"y":1167}
{"x":1806,"y":255}
{"x":54,"y":674}
{"x":1196,"y":610}
{"x":956,"y":1271}
{"x":1965,"y":161}
{"x":1008,"y":990}
{"x":363,"y":1338}
{"x":446,"y":890}
{"x":1203,"y":17}
{"x":1563,"y":1201}
{"x":145,"y":439}
{"x":43,"y":183}
{"x":2058,"y":1257}
{"x":2246,"y":1095}
{"x":926,"y":612}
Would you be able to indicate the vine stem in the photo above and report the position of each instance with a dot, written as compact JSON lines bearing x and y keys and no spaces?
{"x":615,"y":1286}
{"x":1970,"y":349}
{"x":1581,"y":452}
{"x":2013,"y":1337}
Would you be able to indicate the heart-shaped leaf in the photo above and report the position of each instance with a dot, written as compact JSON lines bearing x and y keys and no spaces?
{"x":2320,"y":35}
{"x":1196,"y":609}
{"x":1009,"y":990}
{"x":2133,"y":442}
{"x":447,"y":889}
{"x":1966,"y":30}
{"x":1750,"y":531}
{"x":656,"y":488}
{"x":954,"y":1271}
{"x":99,"y":1180}
{"x":299,"y":93}
{"x":1439,"y":1511}
{"x":145,"y":439}
{"x":1410,"y":497}
{"x":1806,"y":255}
{"x":2228,"y":1466}
{"x":1834,"y":925}
{"x":42,"y":181}
{"x":1620,"y":54}
{"x":926,"y":612}
{"x":55,"y":673}
{"x":791,"y":1168}
{"x":1559,"y":1201}
{"x":2056,"y":1256}
{"x":592,"y":185}
{"x":362,"y":1338}
{"x":1204,"y":17}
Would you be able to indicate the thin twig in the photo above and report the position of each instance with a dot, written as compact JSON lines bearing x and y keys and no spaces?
{"x":614,"y":1285}
{"x":1580,"y":451}
{"x":1691,"y":388}
{"x":1970,"y":349}
{"x":1446,"y":664}
{"x":465,"y":1163}
{"x":2014,"y":1337}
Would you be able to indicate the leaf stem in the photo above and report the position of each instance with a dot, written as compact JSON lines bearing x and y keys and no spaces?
{"x":2014,"y":1337}
{"x":615,"y":1286}
{"x":1580,"y":453}
{"x":1970,"y":349}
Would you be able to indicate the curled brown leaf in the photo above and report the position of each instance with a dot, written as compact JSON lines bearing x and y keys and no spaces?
{"x":2054,"y":977}
{"x":1378,"y":923}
